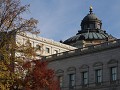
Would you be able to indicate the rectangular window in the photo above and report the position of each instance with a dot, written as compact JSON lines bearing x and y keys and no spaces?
{"x":72,"y":80}
{"x":47,"y":50}
{"x":55,"y":51}
{"x":38,"y":47}
{"x":85,"y":78}
{"x":98,"y":76}
{"x":60,"y":79}
{"x":113,"y":73}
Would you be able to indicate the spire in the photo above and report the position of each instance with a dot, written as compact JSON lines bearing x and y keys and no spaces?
{"x":91,"y":10}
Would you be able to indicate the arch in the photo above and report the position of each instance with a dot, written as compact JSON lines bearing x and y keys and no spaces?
{"x":59,"y":71}
{"x":71,"y":69}
{"x":112,"y":61}
{"x":97,"y":64}
{"x":84,"y":66}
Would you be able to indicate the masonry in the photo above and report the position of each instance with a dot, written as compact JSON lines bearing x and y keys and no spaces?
{"x":84,"y":64}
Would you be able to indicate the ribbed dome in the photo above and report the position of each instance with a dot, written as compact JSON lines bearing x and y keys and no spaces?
{"x":101,"y":35}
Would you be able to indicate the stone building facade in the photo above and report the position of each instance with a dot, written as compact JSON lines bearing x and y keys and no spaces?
{"x":44,"y":46}
{"x":95,"y":65}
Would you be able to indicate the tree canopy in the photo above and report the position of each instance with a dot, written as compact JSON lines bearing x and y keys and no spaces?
{"x":14,"y":73}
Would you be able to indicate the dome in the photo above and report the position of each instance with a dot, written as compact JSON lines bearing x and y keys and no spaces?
{"x":101,"y":35}
{"x":91,"y":30}
{"x":90,"y":17}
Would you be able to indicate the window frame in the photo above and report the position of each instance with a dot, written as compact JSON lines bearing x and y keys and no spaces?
{"x":60,"y":79}
{"x":98,"y":77}
{"x":47,"y":49}
{"x":38,"y":47}
{"x":72,"y":80}
{"x":85,"y":78}
{"x":113,"y":75}
{"x":55,"y":51}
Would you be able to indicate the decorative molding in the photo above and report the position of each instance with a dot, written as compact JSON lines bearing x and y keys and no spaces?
{"x":59,"y":72}
{"x":96,"y":64}
{"x":85,"y":50}
{"x":112,"y":61}
{"x":71,"y":69}
{"x":84,"y":66}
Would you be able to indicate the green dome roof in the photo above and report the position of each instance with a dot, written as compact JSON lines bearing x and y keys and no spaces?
{"x":100,"y":35}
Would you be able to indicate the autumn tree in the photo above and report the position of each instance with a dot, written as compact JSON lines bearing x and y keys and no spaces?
{"x":39,"y":76}
{"x":14,"y":74}
{"x":12,"y":23}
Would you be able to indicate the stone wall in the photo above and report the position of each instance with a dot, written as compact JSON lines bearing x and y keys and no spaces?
{"x":103,"y":56}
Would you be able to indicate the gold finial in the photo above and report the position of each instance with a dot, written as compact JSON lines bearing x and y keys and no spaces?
{"x":91,"y":9}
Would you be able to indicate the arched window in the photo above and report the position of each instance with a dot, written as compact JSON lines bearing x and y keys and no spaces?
{"x":60,"y":75}
{"x":84,"y":69}
{"x":98,"y":67}
{"x":113,"y":70}
{"x":71,"y":72}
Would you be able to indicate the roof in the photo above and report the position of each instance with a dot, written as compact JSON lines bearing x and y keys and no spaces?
{"x":89,"y":36}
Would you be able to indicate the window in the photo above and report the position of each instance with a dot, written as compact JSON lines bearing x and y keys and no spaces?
{"x":98,"y":74}
{"x":47,"y":50}
{"x":60,"y":79}
{"x":85,"y":26}
{"x":91,"y":26}
{"x":38,"y":47}
{"x":85,"y":78}
{"x":72,"y":80}
{"x":113,"y":73}
{"x":55,"y":51}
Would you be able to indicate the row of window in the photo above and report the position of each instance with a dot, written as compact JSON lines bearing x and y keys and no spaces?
{"x":85,"y":77}
{"x":40,"y":47}
{"x":47,"y":50}
{"x":92,"y":26}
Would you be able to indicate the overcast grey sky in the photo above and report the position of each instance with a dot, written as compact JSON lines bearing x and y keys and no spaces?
{"x":60,"y":19}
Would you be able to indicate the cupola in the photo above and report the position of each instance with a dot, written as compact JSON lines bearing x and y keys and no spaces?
{"x":91,"y":32}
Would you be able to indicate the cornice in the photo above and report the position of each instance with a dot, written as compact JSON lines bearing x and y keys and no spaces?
{"x":84,"y":51}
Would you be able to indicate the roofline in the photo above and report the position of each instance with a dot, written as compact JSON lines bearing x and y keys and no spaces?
{"x":85,"y":50}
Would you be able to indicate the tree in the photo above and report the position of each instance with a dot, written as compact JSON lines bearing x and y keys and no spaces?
{"x":12,"y":23}
{"x":39,"y":76}
{"x":14,"y":74}
{"x":11,"y":20}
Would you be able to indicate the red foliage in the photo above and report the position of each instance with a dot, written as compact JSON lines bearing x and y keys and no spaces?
{"x":39,"y":76}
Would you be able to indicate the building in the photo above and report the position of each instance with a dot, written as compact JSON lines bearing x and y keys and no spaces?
{"x":43,"y":46}
{"x":95,"y":65}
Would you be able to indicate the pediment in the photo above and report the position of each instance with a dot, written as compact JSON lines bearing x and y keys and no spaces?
{"x":84,"y":66}
{"x":59,"y":71}
{"x":71,"y":69}
{"x":112,"y":61}
{"x":97,"y":64}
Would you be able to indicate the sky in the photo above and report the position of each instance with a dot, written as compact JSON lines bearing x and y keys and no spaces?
{"x":60,"y":19}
